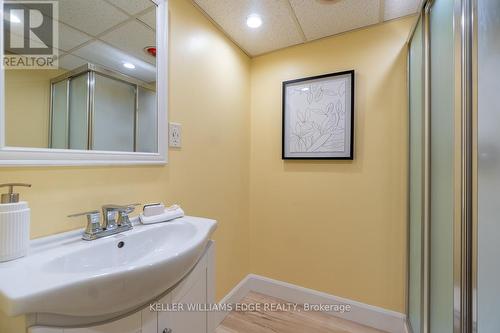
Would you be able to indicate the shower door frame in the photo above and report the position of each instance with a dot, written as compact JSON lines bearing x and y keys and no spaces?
{"x":91,"y":70}
{"x":465,"y":169}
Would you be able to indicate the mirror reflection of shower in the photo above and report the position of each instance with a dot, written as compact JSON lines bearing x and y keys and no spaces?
{"x":106,"y":64}
{"x":95,"y":108}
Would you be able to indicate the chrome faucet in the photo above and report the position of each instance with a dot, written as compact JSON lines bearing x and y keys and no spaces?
{"x":115,"y":220}
{"x":116,"y":215}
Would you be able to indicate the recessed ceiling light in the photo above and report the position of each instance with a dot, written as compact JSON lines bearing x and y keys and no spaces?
{"x":254,"y":21}
{"x":128,"y":65}
{"x":14,"y":19}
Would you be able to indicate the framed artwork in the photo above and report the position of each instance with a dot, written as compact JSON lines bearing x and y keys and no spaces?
{"x":318,"y":117}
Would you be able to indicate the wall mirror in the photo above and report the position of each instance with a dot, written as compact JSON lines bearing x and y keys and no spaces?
{"x":83,"y":82}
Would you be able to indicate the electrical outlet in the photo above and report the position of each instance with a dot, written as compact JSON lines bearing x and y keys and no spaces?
{"x":175,"y":135}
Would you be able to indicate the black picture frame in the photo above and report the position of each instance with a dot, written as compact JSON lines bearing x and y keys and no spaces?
{"x":347,"y":154}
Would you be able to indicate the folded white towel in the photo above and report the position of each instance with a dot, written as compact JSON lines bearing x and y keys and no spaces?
{"x":170,"y":213}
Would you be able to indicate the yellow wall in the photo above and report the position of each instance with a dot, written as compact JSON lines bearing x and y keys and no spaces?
{"x":210,"y":96}
{"x":27,"y":104}
{"x":335,"y":226}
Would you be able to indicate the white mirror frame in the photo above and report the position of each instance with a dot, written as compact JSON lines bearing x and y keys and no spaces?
{"x":17,"y":156}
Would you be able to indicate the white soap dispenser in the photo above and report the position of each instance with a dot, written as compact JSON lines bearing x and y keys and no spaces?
{"x":14,"y":225}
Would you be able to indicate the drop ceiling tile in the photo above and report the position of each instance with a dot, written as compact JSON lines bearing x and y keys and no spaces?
{"x":100,"y":53}
{"x":149,"y":19}
{"x":277,"y":31}
{"x":90,"y":16}
{"x":321,"y":18}
{"x":70,"y":38}
{"x":70,"y":62}
{"x":132,"y":38}
{"x":397,"y":8}
{"x":133,"y":7}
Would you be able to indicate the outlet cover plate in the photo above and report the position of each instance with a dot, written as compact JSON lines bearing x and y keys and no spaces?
{"x":175,"y":135}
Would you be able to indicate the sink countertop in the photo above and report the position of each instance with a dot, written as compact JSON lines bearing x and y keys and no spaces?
{"x":66,"y":275}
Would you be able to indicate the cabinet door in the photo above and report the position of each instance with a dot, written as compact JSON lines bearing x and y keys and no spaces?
{"x":131,"y":324}
{"x":191,"y":292}
{"x":149,"y":321}
{"x":165,"y":317}
{"x":192,"y":321}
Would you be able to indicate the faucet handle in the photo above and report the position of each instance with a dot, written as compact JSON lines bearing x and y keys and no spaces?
{"x":117,"y":215}
{"x":93,"y":222}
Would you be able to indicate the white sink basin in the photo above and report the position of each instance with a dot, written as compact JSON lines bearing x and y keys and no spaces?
{"x":64,"y":275}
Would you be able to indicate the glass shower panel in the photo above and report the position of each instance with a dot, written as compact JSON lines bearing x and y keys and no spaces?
{"x":488,"y":270}
{"x":114,"y":115}
{"x":147,"y":122}
{"x":78,"y":112}
{"x":59,"y":121}
{"x":441,"y":165}
{"x":416,"y":177}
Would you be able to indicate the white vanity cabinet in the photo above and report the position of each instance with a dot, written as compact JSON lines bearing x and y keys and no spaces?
{"x":192,"y":291}
{"x":171,"y":314}
{"x":130,"y":324}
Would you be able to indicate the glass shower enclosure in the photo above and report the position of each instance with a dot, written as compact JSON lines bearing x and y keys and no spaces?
{"x":487,"y":226}
{"x":94,"y":108}
{"x":454,"y":179}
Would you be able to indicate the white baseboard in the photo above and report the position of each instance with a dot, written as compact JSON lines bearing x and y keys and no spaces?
{"x":237,"y":294}
{"x":369,"y":315}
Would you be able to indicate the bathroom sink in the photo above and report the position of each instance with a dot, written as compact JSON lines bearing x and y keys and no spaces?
{"x":123,"y":252}
{"x":64,"y":275}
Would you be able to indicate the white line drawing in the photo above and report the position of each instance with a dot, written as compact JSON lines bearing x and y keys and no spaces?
{"x":317,"y":116}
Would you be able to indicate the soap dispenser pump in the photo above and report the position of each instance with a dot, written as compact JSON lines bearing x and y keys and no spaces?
{"x":14,"y":224}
